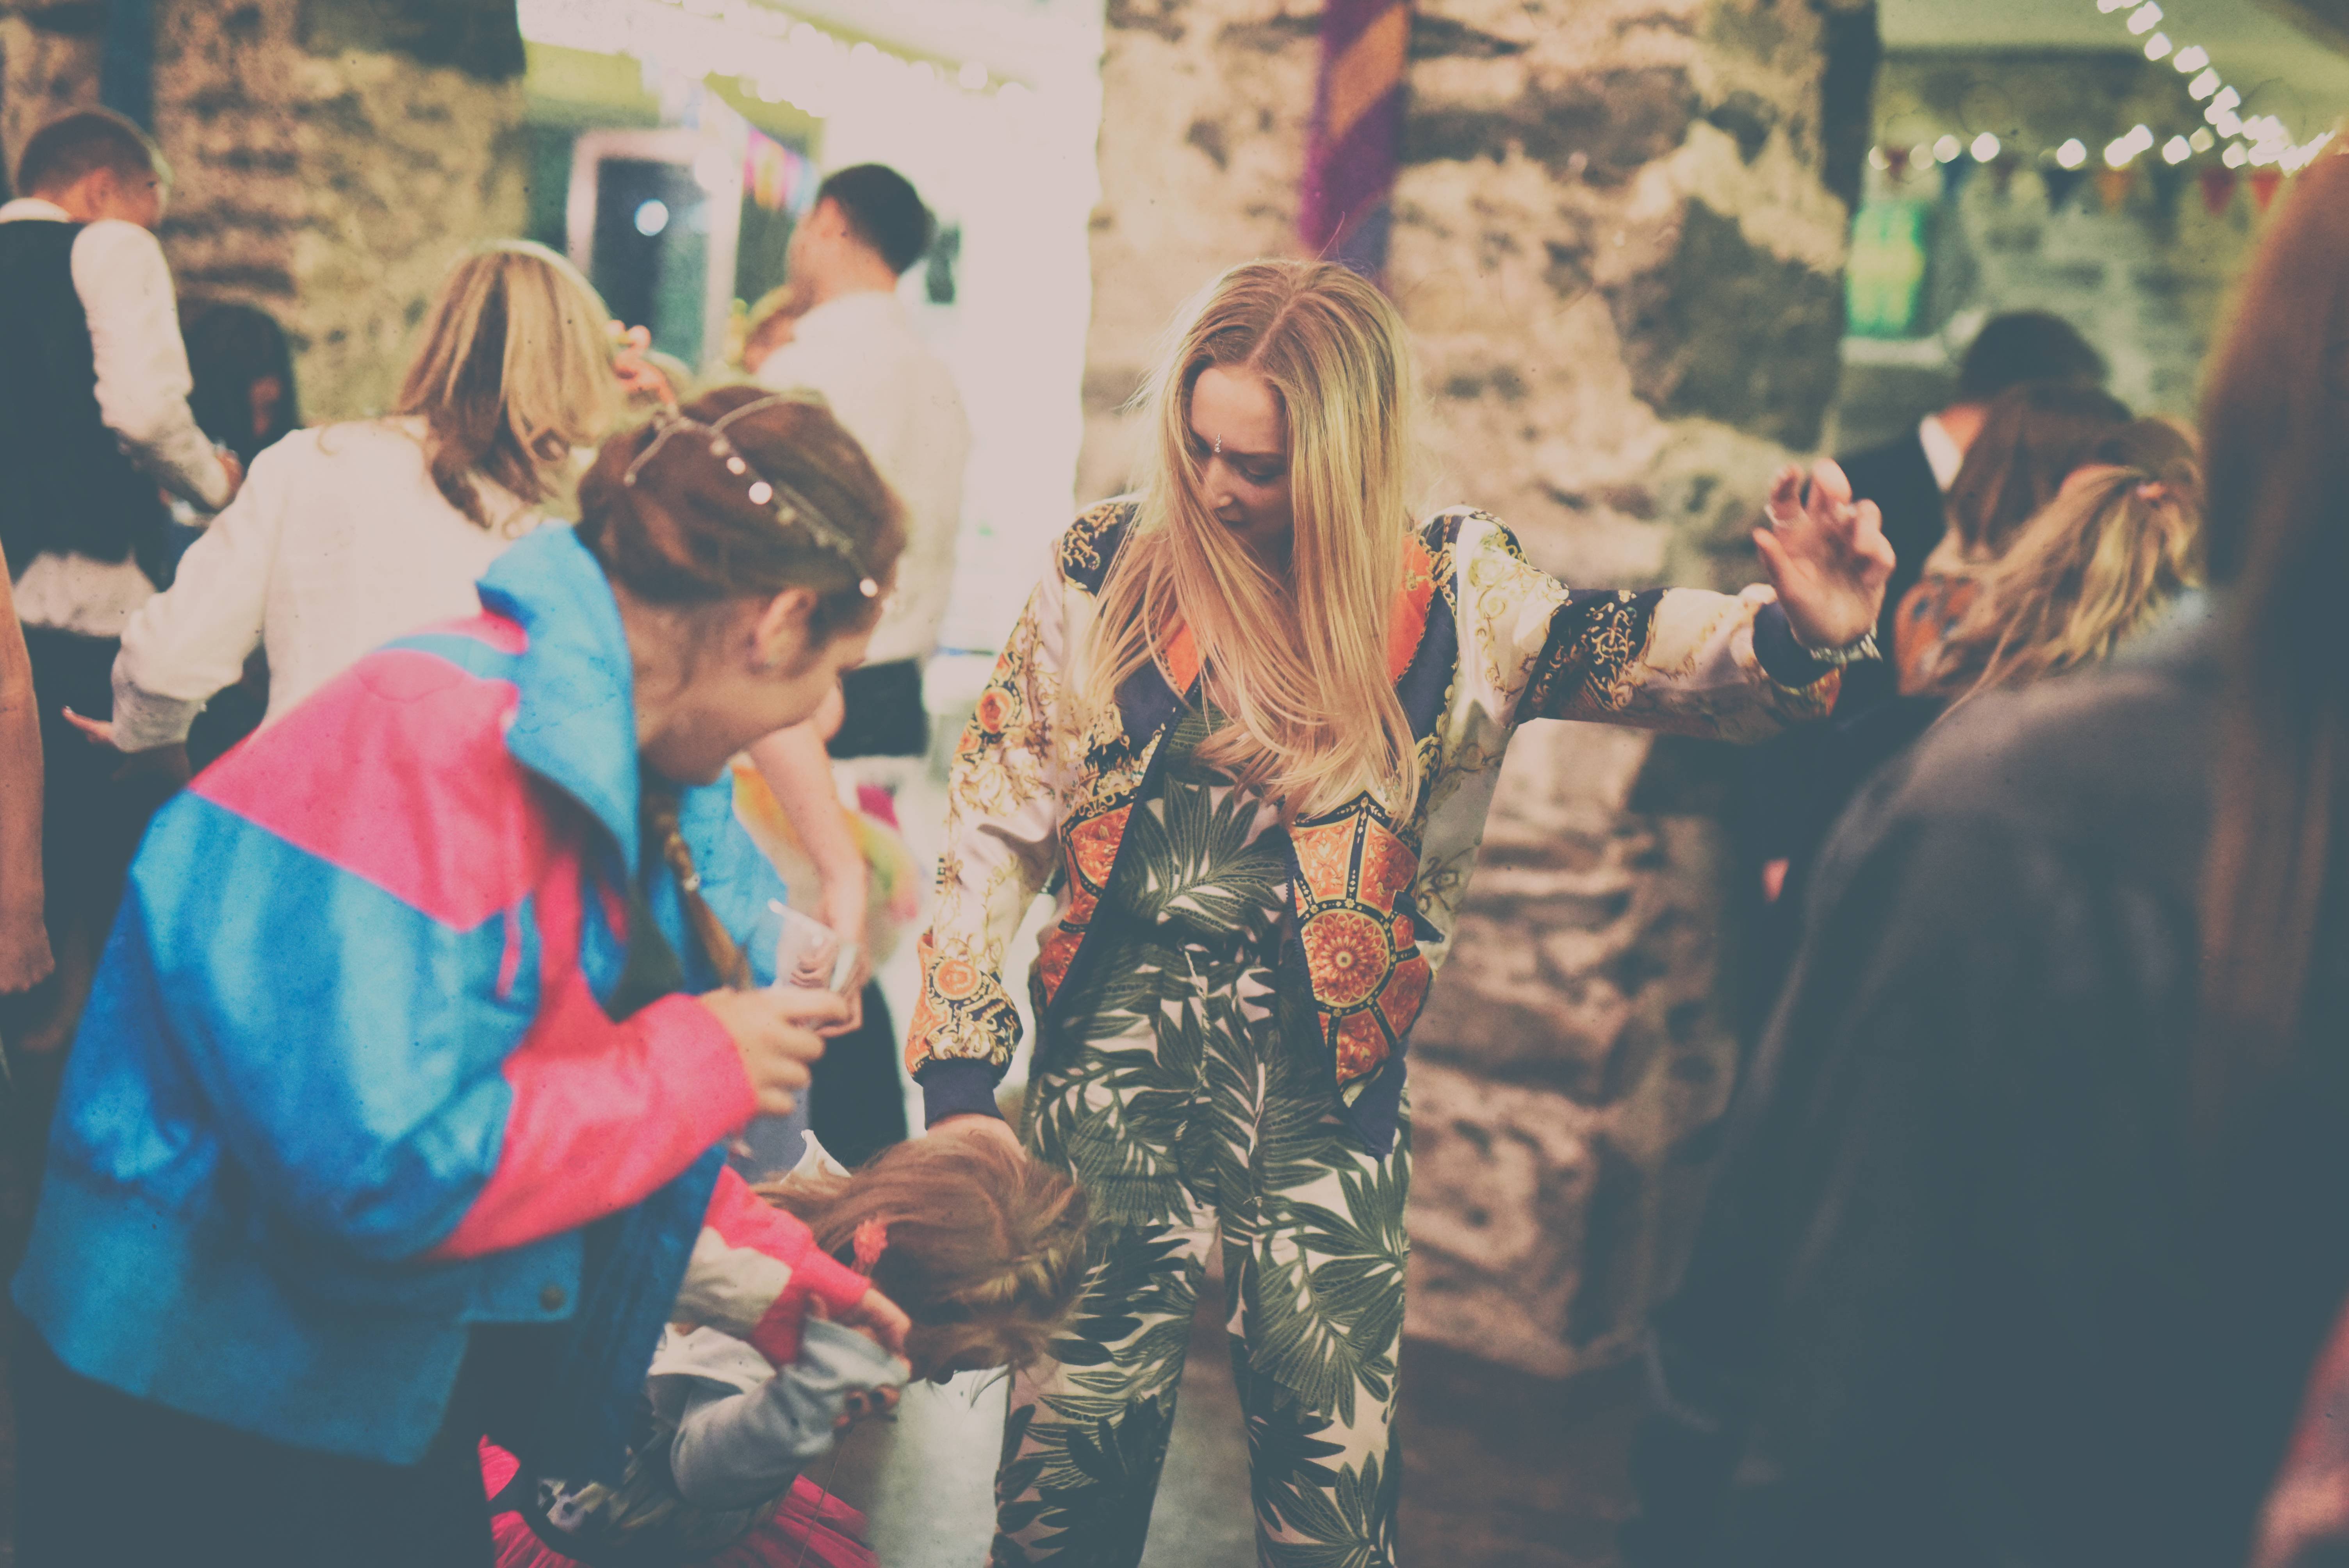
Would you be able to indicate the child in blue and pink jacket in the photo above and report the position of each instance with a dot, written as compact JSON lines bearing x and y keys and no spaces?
{"x":367,"y":1148}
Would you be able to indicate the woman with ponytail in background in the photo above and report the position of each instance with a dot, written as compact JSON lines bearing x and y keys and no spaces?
{"x":1246,"y":729}
{"x":401,"y":1101}
{"x":2028,"y":1227}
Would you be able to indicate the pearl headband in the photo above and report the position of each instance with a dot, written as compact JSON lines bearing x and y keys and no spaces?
{"x":790,"y":507}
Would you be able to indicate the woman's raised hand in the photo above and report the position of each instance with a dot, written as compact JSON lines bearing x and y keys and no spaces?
{"x":1827,"y":556}
{"x":776,"y":1031}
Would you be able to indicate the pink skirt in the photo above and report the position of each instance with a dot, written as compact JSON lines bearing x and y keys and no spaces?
{"x":810,"y":1529}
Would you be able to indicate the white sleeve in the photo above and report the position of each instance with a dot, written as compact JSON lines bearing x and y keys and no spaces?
{"x":183,"y":646}
{"x":142,"y":366}
{"x":735,"y":1449}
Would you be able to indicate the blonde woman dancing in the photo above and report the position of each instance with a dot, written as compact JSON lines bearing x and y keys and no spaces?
{"x":1246,"y":730}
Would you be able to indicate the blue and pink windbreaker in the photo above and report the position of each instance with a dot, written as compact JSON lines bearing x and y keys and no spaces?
{"x":346,"y":1086}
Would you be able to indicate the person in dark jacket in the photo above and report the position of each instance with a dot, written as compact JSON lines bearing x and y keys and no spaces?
{"x":1908,"y":476}
{"x":2027,"y":1228}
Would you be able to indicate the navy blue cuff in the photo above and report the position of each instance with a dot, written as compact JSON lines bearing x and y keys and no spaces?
{"x":956,"y":1086}
{"x":1784,"y":657}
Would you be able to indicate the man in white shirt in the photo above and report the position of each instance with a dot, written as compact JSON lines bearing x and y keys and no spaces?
{"x":94,"y":423}
{"x":855,"y":345}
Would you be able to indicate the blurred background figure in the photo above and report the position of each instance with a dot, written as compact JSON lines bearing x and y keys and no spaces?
{"x":241,"y":369}
{"x":94,"y":418}
{"x":244,"y":399}
{"x":839,"y":328}
{"x":2025,"y":1238}
{"x":1908,"y":476}
{"x":2023,"y":445}
{"x":360,"y":532}
{"x":2032,"y":439}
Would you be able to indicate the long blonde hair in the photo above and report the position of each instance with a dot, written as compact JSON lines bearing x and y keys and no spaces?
{"x":514,"y":374}
{"x":1297,"y":662}
{"x":2119,"y":541}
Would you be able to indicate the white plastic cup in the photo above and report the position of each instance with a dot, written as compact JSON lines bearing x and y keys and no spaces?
{"x":808,"y":952}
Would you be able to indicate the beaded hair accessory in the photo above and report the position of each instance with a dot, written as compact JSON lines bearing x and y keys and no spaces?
{"x":792,"y":508}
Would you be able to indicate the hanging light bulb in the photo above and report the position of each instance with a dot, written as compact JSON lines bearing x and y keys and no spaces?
{"x":2191,"y":59}
{"x":2144,"y":18}
{"x":2176,"y":150}
{"x":1985,"y":148}
{"x":2073,"y":153}
{"x":1946,"y":150}
{"x":2234,"y":157}
{"x":2157,"y":47}
{"x":2203,"y":140}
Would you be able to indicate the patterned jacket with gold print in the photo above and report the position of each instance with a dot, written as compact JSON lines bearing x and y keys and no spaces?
{"x":1481,"y":642}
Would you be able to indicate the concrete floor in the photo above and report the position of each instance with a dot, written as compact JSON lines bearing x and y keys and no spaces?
{"x":926,"y":1479}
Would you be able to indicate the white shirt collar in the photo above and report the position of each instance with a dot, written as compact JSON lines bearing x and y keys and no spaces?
{"x":1942,"y":452}
{"x":25,"y":207}
{"x":850,"y":313}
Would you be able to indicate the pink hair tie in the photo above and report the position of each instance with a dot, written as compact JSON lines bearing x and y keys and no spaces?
{"x":2152,"y":489}
{"x":871,"y":1240}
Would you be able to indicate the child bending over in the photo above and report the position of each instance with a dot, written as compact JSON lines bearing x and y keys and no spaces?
{"x":983,"y":1251}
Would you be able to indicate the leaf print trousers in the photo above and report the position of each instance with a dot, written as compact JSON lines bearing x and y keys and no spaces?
{"x":1204,"y":1127}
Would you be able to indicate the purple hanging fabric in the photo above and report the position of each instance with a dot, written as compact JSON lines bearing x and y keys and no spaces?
{"x":1357,"y":133}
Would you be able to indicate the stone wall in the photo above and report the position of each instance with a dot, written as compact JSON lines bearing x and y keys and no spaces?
{"x":1616,"y":246}
{"x":325,"y":172}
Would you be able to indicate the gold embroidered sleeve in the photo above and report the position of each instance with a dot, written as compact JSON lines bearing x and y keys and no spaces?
{"x":1675,"y":659}
{"x":1001,"y":848}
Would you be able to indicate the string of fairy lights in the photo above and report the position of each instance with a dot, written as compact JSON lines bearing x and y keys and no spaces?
{"x":2255,"y":141}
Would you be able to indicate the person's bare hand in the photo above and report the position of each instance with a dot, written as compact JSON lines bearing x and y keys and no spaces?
{"x":169,"y":762}
{"x":978,"y":1124}
{"x":776,"y":1031}
{"x":24,"y":957}
{"x":236,"y":467}
{"x":843,"y":910}
{"x":879,"y":1319}
{"x":1827,"y":555}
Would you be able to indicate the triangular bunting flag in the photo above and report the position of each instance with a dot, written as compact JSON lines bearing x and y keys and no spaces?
{"x":2114,"y":186}
{"x":1896,"y":158}
{"x":1954,"y":175}
{"x":2264,"y":181}
{"x":2168,"y":183}
{"x":2218,"y":189}
{"x":2060,"y":183}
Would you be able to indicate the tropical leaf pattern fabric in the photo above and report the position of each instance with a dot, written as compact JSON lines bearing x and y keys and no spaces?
{"x":1195,"y":1104}
{"x":1480,"y":641}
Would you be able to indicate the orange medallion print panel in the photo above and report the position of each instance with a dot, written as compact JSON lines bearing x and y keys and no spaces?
{"x":1405,"y":993}
{"x":1093,"y":847}
{"x":955,"y":979}
{"x":1348,"y":954}
{"x":1388,"y":866}
{"x":1362,"y":1046}
{"x":1052,"y":957}
{"x":998,"y":706}
{"x":1325,"y":855}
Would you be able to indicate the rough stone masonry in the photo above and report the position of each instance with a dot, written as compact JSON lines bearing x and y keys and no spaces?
{"x":332,"y":157}
{"x":1618,"y":245}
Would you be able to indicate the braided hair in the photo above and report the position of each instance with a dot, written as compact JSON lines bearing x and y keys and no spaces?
{"x":739,"y":494}
{"x":985,"y":1251}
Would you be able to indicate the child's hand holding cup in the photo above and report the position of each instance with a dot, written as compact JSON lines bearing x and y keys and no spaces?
{"x":812,"y":956}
